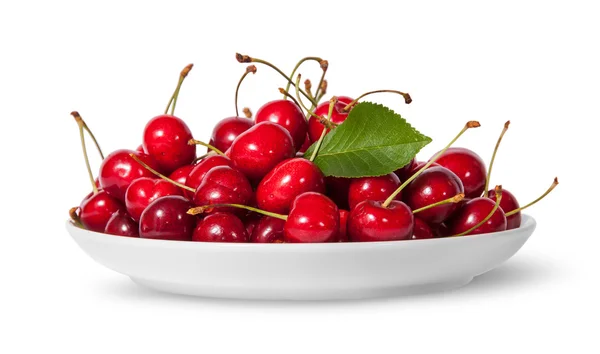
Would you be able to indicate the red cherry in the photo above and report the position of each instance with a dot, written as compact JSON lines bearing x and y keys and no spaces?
{"x":268,"y":230}
{"x":338,"y":116}
{"x":286,"y":181}
{"x":370,"y":221}
{"x":508,"y":203}
{"x":223,"y":185}
{"x":140,"y":148}
{"x":97,"y":209}
{"x":472,"y":213}
{"x":197,"y":174}
{"x":166,"y":218}
{"x":288,"y":115}
{"x":405,"y":171}
{"x":257,"y":150}
{"x":313,"y":218}
{"x":431,"y":186}
{"x":227,"y":130}
{"x":338,"y":189}
{"x":144,"y":191}
{"x":307,"y":143}
{"x":422,"y":230}
{"x":220,"y":227}
{"x":372,"y":188}
{"x":468,"y":166}
{"x":343,"y":234}
{"x":180,"y":175}
{"x":419,"y":165}
{"x":250,"y":221}
{"x":166,"y":140}
{"x":121,"y":224}
{"x":119,"y":170}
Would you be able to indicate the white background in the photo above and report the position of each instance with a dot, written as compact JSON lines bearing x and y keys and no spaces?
{"x":117,"y":63}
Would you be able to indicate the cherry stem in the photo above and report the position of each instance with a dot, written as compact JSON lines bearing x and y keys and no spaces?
{"x":498,"y":190}
{"x":246,"y":59}
{"x":325,"y":122}
{"x":457,"y":198}
{"x":470,"y":124}
{"x":81,"y":125}
{"x":75,"y":217}
{"x":198,"y":142}
{"x":287,"y":87}
{"x":87,"y":129}
{"x":200,"y":158}
{"x":322,"y":87}
{"x":145,"y":165}
{"x":173,"y":99}
{"x":204,"y":208}
{"x":332,"y":103}
{"x":489,"y":174}
{"x":407,"y":98}
{"x":286,"y":94}
{"x":308,"y":88}
{"x":554,"y":184}
{"x":247,"y":112}
{"x":249,"y":69}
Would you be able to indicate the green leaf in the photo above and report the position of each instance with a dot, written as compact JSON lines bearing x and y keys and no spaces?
{"x":372,"y":141}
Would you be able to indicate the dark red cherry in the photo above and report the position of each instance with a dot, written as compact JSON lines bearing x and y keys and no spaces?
{"x":312,"y":218}
{"x":166,"y":218}
{"x":288,"y":115}
{"x":197,"y":174}
{"x":431,"y":186}
{"x":419,"y":165}
{"x":343,"y":234}
{"x":472,"y":213}
{"x":220,"y":227}
{"x":307,"y":143}
{"x":405,"y":171}
{"x":286,"y":181}
{"x":508,"y":203}
{"x":119,"y":169}
{"x":268,"y":230}
{"x":257,"y":150}
{"x":370,"y":221}
{"x":372,"y":188}
{"x":180,"y":175}
{"x":250,"y":220}
{"x":468,"y":166}
{"x":121,"y":224}
{"x":144,"y":191}
{"x":338,"y":116}
{"x":422,"y":230}
{"x":337,"y":189}
{"x":97,"y":209}
{"x":166,"y":140}
{"x":227,"y":130}
{"x":224,"y":185}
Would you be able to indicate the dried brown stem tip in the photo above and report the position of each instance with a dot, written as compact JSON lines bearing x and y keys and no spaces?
{"x":243,"y":58}
{"x":251,"y":69}
{"x":407,"y":98}
{"x":186,"y":70}
{"x":76,"y":115}
{"x":199,"y":210}
{"x":473,"y":124}
{"x":506,"y":124}
{"x":73,"y":214}
{"x":324,"y":87}
{"x":247,"y":112}
{"x":324,"y":65}
{"x":457,"y":198}
{"x":307,"y":85}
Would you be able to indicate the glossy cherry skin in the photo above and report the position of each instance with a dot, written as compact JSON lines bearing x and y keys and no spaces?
{"x":180,"y":175}
{"x":166,"y":140}
{"x":419,"y":165}
{"x":220,"y":227}
{"x":227,"y":130}
{"x":468,"y":166}
{"x":312,"y":218}
{"x":472,"y":213}
{"x":307,"y":143}
{"x":268,"y":230}
{"x":224,"y":185}
{"x":166,"y":218}
{"x":431,"y":186}
{"x":288,"y":115}
{"x":97,"y":209}
{"x":197,"y":174}
{"x":338,"y":116}
{"x":140,"y":148}
{"x":337,"y":189}
{"x":257,"y":150}
{"x":144,"y":191}
{"x":119,"y":170}
{"x":121,"y":224}
{"x":422,"y":230}
{"x":369,"y":221}
{"x":372,"y":188}
{"x":285,"y":182}
{"x":508,"y":203}
{"x":404,"y":172}
{"x":343,"y":233}
{"x":250,"y":220}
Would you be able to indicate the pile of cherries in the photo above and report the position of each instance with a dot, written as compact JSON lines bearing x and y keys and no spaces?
{"x":256,"y":185}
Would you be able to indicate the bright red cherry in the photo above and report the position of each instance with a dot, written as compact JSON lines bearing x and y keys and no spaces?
{"x":338,"y":116}
{"x":290,"y":178}
{"x":97,"y":209}
{"x":404,"y":172}
{"x":337,"y":189}
{"x":227,"y":130}
{"x":121,"y":224}
{"x":166,"y":140}
{"x":224,"y":185}
{"x":257,"y":150}
{"x":220,"y":227}
{"x":166,"y":218}
{"x":372,"y":188}
{"x":431,"y":186}
{"x":144,"y":191}
{"x":371,"y":221}
{"x":140,"y":148}
{"x":180,"y":175}
{"x":313,"y":218}
{"x":268,"y":230}
{"x":472,"y":213}
{"x":508,"y":203}
{"x":343,"y":234}
{"x":422,"y":230}
{"x":119,"y":170}
{"x":468,"y":166}
{"x":198,"y":172}
{"x":288,"y":115}
{"x":307,"y":143}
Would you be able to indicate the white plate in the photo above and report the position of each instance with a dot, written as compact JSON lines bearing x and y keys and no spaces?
{"x":303,"y":271}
